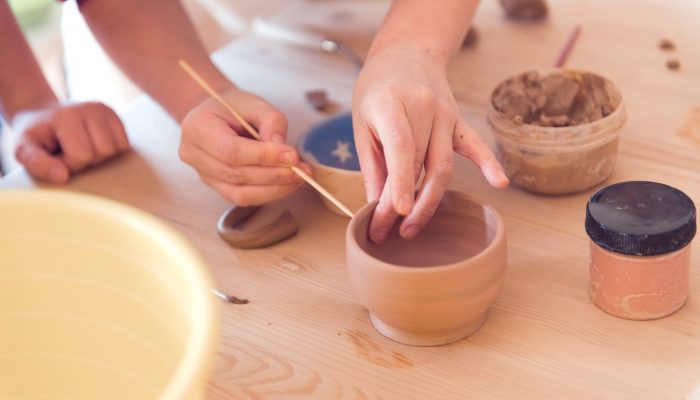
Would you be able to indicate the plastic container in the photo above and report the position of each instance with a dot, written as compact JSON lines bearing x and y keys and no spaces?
{"x":329,"y":147}
{"x":558,"y":160}
{"x":99,"y":301}
{"x":640,"y":254}
{"x":438,"y":287}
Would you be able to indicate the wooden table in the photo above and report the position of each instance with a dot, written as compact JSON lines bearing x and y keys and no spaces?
{"x":304,"y":335}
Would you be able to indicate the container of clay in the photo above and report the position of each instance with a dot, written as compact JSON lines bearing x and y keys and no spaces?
{"x":329,"y":147}
{"x":640,"y":249}
{"x":557,"y":131}
{"x":100,"y":301}
{"x":436,"y":288}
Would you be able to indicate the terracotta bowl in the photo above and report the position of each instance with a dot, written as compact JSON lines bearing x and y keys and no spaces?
{"x":437,"y":288}
{"x":329,"y":147}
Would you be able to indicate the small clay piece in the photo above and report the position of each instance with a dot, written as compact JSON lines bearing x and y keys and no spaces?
{"x":673,"y":64}
{"x":568,"y":98}
{"x":229,"y":229}
{"x":318,"y":99}
{"x":471,"y":38}
{"x":524,"y":10}
{"x":667,"y":45}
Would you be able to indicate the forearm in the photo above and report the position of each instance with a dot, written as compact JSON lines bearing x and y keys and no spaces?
{"x":436,"y":27}
{"x":22,"y":84}
{"x":146,"y":38}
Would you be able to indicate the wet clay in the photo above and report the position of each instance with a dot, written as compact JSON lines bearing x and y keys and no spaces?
{"x":563,"y":98}
{"x":524,"y":10}
{"x":452,"y":235}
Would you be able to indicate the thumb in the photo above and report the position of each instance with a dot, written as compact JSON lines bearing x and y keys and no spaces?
{"x":40,"y":164}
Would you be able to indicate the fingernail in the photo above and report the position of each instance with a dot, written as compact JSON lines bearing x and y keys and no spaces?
{"x":504,"y":178}
{"x":288,"y":158}
{"x":405,"y":204}
{"x":58,"y":174}
{"x":378,"y":235}
{"x":277,"y":138}
{"x":410,"y":231}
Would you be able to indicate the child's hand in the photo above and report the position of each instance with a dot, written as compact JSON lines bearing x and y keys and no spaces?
{"x":59,"y":140}
{"x":243,"y":170}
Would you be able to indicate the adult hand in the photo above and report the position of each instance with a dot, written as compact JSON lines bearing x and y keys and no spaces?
{"x":405,"y":118}
{"x":241,"y":169}
{"x":58,"y":140}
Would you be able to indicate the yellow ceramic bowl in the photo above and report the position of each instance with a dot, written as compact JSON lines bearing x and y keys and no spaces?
{"x":99,"y":300}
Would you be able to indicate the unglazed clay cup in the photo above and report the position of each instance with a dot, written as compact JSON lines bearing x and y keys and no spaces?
{"x":329,"y":147}
{"x":436,"y":288}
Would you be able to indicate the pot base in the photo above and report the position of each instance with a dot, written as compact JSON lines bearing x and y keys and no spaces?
{"x":431,"y":339}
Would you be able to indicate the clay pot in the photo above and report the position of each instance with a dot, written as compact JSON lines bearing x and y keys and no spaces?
{"x":436,"y":288}
{"x":329,"y":148}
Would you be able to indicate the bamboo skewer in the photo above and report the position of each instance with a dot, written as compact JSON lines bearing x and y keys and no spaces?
{"x":216,"y":96}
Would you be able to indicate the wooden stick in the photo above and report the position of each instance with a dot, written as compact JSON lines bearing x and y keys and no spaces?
{"x":568,"y":46}
{"x":255,"y":134}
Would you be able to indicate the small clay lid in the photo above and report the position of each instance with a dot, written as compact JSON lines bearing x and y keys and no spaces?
{"x":640,"y":218}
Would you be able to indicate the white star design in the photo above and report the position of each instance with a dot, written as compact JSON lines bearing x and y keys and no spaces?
{"x":342,"y":151}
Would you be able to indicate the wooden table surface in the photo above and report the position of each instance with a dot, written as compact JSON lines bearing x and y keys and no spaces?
{"x":304,"y":334}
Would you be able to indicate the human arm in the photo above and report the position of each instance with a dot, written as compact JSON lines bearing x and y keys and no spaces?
{"x":146,"y":39}
{"x":54,"y":140}
{"x":402,"y":102}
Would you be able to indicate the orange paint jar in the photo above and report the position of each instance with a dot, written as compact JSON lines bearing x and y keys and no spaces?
{"x":640,"y":255}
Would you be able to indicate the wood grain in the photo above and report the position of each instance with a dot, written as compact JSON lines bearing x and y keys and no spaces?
{"x":303,"y":335}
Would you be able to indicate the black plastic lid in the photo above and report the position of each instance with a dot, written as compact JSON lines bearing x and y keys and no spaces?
{"x":640,"y":218}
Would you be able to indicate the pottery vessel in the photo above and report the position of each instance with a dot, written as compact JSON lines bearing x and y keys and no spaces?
{"x":436,"y":288}
{"x":329,"y":147}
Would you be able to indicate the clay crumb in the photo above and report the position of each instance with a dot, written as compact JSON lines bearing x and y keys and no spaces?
{"x":673,"y":64}
{"x":524,"y":10}
{"x":666,"y":45}
{"x":566,"y":98}
{"x":317,"y":98}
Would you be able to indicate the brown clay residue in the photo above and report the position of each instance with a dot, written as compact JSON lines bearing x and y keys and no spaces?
{"x":667,"y":45}
{"x":524,"y":10}
{"x":673,"y":64}
{"x":691,"y":129}
{"x":374,"y":353}
{"x":565,"y":98}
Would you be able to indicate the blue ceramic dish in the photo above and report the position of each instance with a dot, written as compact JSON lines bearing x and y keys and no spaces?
{"x":331,"y":143}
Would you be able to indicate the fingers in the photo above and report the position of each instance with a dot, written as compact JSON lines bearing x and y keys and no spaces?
{"x":88,"y":134}
{"x":468,"y":143}
{"x":272,"y":125}
{"x":438,"y":173}
{"x":245,"y":175}
{"x":383,"y":218}
{"x":40,"y":163}
{"x":388,"y":119}
{"x":247,"y":195}
{"x":371,"y":159}
{"x":215,"y":137}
